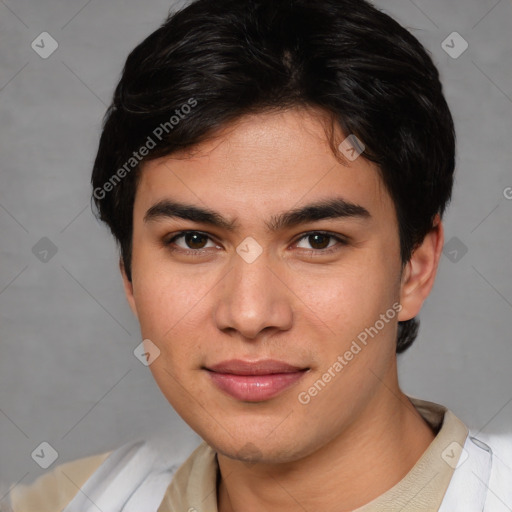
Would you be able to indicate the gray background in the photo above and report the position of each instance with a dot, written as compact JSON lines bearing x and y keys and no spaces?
{"x":68,"y":375}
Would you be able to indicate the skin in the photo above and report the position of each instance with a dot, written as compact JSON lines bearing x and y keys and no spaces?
{"x":360,"y":435}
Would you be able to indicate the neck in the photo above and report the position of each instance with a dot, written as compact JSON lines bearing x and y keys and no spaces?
{"x":363,"y":462}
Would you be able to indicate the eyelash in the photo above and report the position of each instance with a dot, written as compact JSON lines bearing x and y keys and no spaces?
{"x":200,"y":252}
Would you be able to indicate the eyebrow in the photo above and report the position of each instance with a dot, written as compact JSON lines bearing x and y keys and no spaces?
{"x":333,"y":208}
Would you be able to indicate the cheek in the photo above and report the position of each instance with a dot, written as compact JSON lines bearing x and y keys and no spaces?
{"x":355,"y":347}
{"x":350,"y":296}
{"x":166,"y":301}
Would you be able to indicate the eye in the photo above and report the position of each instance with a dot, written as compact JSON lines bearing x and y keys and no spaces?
{"x":191,"y":241}
{"x":196,"y":242}
{"x":321,"y":242}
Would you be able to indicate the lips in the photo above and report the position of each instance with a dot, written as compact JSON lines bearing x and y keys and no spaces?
{"x":254,"y":381}
{"x":263,"y":367}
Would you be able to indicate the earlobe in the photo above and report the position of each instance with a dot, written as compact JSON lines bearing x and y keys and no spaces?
{"x":420,"y":272}
{"x":128,"y":288}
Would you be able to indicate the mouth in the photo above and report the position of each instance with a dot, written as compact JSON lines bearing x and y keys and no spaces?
{"x":254,"y":381}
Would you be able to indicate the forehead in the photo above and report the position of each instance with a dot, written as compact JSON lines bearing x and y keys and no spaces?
{"x":261,"y":164}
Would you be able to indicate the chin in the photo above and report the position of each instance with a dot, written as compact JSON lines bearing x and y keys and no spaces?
{"x":253,"y":450}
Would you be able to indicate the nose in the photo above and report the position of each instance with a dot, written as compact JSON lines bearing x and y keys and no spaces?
{"x":253,"y":298}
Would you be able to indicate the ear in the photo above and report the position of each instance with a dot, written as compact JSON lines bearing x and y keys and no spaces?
{"x":128,"y":288}
{"x":420,"y":271}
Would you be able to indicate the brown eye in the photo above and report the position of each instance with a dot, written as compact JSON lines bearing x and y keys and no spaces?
{"x":195,"y":240}
{"x":191,"y":240}
{"x":321,"y":243}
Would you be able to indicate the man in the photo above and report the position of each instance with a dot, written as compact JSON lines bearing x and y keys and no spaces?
{"x":275,"y":174}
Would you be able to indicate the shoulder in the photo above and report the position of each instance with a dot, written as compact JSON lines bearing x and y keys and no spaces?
{"x":136,"y":473}
{"x":53,"y":490}
{"x":499,"y":447}
{"x":498,"y":477}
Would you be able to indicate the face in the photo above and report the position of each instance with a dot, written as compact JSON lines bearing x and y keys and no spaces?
{"x":263,"y":248}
